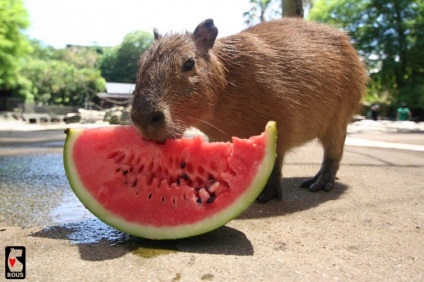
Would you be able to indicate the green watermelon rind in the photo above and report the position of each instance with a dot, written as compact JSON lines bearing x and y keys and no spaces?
{"x":173,"y":232}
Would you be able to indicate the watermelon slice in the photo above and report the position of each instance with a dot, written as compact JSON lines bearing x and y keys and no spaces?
{"x":181,"y":188}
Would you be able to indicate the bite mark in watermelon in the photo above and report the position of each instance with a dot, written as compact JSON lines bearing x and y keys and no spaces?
{"x":178,"y":189}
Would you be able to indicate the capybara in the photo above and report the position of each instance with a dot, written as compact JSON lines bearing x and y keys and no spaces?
{"x":305,"y":76}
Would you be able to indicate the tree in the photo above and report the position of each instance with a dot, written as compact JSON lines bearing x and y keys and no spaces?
{"x":13,"y":45}
{"x":120,"y":64}
{"x":263,"y":10}
{"x":62,"y":77}
{"x":57,"y":82}
{"x":292,"y":8}
{"x":82,"y":56}
{"x":389,"y":35}
{"x":257,"y":12}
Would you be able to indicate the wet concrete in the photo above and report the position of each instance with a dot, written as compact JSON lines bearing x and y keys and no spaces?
{"x":34,"y":191}
{"x":30,"y":186}
{"x":33,"y":139}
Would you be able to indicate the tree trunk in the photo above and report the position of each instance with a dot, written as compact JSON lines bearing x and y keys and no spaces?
{"x":292,"y":8}
{"x":403,"y":49}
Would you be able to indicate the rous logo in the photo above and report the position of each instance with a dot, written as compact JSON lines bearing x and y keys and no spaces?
{"x":15,"y":262}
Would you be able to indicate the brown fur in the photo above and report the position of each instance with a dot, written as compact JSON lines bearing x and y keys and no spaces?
{"x":304,"y":75}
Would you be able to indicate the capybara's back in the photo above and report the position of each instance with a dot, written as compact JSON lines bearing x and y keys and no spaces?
{"x":305,"y":76}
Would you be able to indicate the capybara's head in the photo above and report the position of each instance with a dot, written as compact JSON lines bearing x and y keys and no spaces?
{"x":177,"y":83}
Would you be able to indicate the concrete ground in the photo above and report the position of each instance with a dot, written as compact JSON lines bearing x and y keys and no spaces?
{"x":369,"y":228}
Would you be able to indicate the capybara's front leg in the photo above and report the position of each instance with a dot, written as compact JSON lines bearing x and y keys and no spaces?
{"x":272,"y":189}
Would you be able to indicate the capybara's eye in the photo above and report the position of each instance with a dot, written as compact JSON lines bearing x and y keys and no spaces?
{"x":189,"y":64}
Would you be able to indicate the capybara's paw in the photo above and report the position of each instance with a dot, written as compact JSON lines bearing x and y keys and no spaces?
{"x":326,"y":186}
{"x":319,"y":183}
{"x":308,"y":183}
{"x":271,"y":191}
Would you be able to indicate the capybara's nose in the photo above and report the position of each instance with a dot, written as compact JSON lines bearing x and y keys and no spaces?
{"x":156,"y":119}
{"x":148,"y":121}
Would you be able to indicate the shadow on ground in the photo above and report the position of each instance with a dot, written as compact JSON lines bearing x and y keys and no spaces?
{"x":295,"y":199}
{"x":97,"y":241}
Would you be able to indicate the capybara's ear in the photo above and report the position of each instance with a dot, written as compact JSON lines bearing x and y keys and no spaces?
{"x":205,"y":34}
{"x":156,"y":34}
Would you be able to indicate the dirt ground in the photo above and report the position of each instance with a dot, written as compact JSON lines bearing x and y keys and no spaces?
{"x":369,"y":228}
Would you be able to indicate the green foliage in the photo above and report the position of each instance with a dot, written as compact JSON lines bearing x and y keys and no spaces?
{"x":119,"y":64}
{"x":264,"y":10}
{"x":257,"y":12}
{"x":13,"y":44}
{"x":42,"y":52}
{"x":82,"y":57}
{"x":69,"y":76}
{"x":65,"y":77}
{"x":389,"y":35}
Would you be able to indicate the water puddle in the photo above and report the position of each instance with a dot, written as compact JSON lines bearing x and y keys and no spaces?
{"x":73,"y":222}
{"x":34,"y":192}
{"x":76,"y":224}
{"x":69,"y":210}
{"x":90,"y":231}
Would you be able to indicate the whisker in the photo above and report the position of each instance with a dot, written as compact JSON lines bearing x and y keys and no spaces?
{"x":223,"y":134}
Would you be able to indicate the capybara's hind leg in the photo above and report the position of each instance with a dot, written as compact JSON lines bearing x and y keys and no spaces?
{"x":333,"y":144}
{"x":325,"y":178}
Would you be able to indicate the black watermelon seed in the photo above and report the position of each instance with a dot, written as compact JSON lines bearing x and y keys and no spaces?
{"x":182,"y":165}
{"x":178,"y":182}
{"x":198,"y":200}
{"x":125,"y":172}
{"x":211,"y":199}
{"x":184,"y":176}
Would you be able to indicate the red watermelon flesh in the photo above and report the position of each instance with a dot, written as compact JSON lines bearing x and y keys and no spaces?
{"x":180,"y":188}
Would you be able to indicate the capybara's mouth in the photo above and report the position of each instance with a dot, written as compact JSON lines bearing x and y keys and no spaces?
{"x":159,"y":135}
